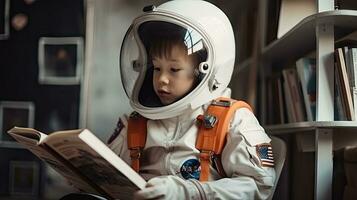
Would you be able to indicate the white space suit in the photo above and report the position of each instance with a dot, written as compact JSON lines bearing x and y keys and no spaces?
{"x":170,"y":150}
{"x":170,"y":154}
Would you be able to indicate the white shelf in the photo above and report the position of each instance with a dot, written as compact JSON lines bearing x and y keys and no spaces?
{"x":291,"y":128}
{"x":301,"y":39}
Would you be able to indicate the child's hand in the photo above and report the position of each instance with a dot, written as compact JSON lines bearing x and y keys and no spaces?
{"x":166,"y":187}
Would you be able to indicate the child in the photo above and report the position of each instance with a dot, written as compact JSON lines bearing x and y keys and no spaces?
{"x":175,"y":60}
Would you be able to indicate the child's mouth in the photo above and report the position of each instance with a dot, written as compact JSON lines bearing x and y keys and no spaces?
{"x":163,"y":93}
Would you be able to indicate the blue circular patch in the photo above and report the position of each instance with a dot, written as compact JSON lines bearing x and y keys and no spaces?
{"x":191,"y":169}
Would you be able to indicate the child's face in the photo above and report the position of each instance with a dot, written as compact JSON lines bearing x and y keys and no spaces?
{"x":173,"y":76}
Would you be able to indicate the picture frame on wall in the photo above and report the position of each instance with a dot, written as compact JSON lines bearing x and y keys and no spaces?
{"x":24,"y":178}
{"x":15,"y":113}
{"x":4,"y":19}
{"x":60,"y":60}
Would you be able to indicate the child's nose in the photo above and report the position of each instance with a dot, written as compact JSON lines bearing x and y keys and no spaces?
{"x":164,"y":79}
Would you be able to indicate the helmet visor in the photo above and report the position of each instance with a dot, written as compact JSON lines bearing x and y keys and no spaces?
{"x":156,"y":39}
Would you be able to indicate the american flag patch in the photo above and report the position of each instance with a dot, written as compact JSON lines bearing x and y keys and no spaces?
{"x":265,"y":153}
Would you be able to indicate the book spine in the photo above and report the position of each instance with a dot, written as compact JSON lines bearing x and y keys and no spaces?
{"x":303,"y":69}
{"x":353,"y":59}
{"x":346,"y":91}
{"x":288,"y":98}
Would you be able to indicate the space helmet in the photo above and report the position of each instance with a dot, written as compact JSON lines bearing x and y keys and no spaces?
{"x":205,"y":31}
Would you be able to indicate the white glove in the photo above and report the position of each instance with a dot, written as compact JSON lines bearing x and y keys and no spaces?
{"x":168,"y":187}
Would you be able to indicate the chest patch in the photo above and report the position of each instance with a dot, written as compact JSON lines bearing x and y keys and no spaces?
{"x":191,"y":169}
{"x":116,"y":132}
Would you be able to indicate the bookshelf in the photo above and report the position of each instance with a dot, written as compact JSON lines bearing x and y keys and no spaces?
{"x":317,"y":32}
{"x":301,"y":38}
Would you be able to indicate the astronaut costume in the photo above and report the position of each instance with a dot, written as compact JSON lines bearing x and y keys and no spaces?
{"x":170,"y":160}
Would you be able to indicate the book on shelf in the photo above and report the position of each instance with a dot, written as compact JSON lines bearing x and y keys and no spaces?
{"x":306,"y":69}
{"x":293,"y":96}
{"x":339,"y":111}
{"x":348,"y":44}
{"x":292,"y":12}
{"x":275,"y":96}
{"x":346,"y":95}
{"x":282,"y":106}
{"x":351,"y":63}
{"x":84,"y":160}
{"x":290,"y":116}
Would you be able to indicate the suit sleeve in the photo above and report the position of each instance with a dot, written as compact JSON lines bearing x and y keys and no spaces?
{"x":247,"y":160}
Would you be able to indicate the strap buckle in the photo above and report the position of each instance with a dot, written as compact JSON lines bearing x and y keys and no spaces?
{"x":207,"y":155}
{"x":208,"y":120}
{"x":134,"y":115}
{"x":223,"y":103}
{"x":135,"y":153}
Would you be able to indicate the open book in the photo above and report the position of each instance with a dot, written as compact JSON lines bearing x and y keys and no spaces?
{"x":84,"y":160}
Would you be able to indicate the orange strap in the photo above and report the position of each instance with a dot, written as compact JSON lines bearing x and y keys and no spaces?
{"x":136,"y":138}
{"x":212,"y":132}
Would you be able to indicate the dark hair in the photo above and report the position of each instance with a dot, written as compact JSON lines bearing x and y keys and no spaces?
{"x":162,"y":47}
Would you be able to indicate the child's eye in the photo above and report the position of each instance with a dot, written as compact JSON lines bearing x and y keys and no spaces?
{"x":156,"y":69}
{"x":175,"y":69}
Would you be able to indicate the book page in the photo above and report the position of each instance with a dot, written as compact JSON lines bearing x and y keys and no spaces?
{"x":32,"y":135}
{"x":96,"y":167}
{"x":30,"y":138}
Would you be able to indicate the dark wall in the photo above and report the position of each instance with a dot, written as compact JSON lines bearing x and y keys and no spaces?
{"x":56,"y":106}
{"x":19,"y":61}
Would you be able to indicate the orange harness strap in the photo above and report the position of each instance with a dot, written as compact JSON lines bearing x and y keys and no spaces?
{"x":136,"y":138}
{"x":212,"y":133}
